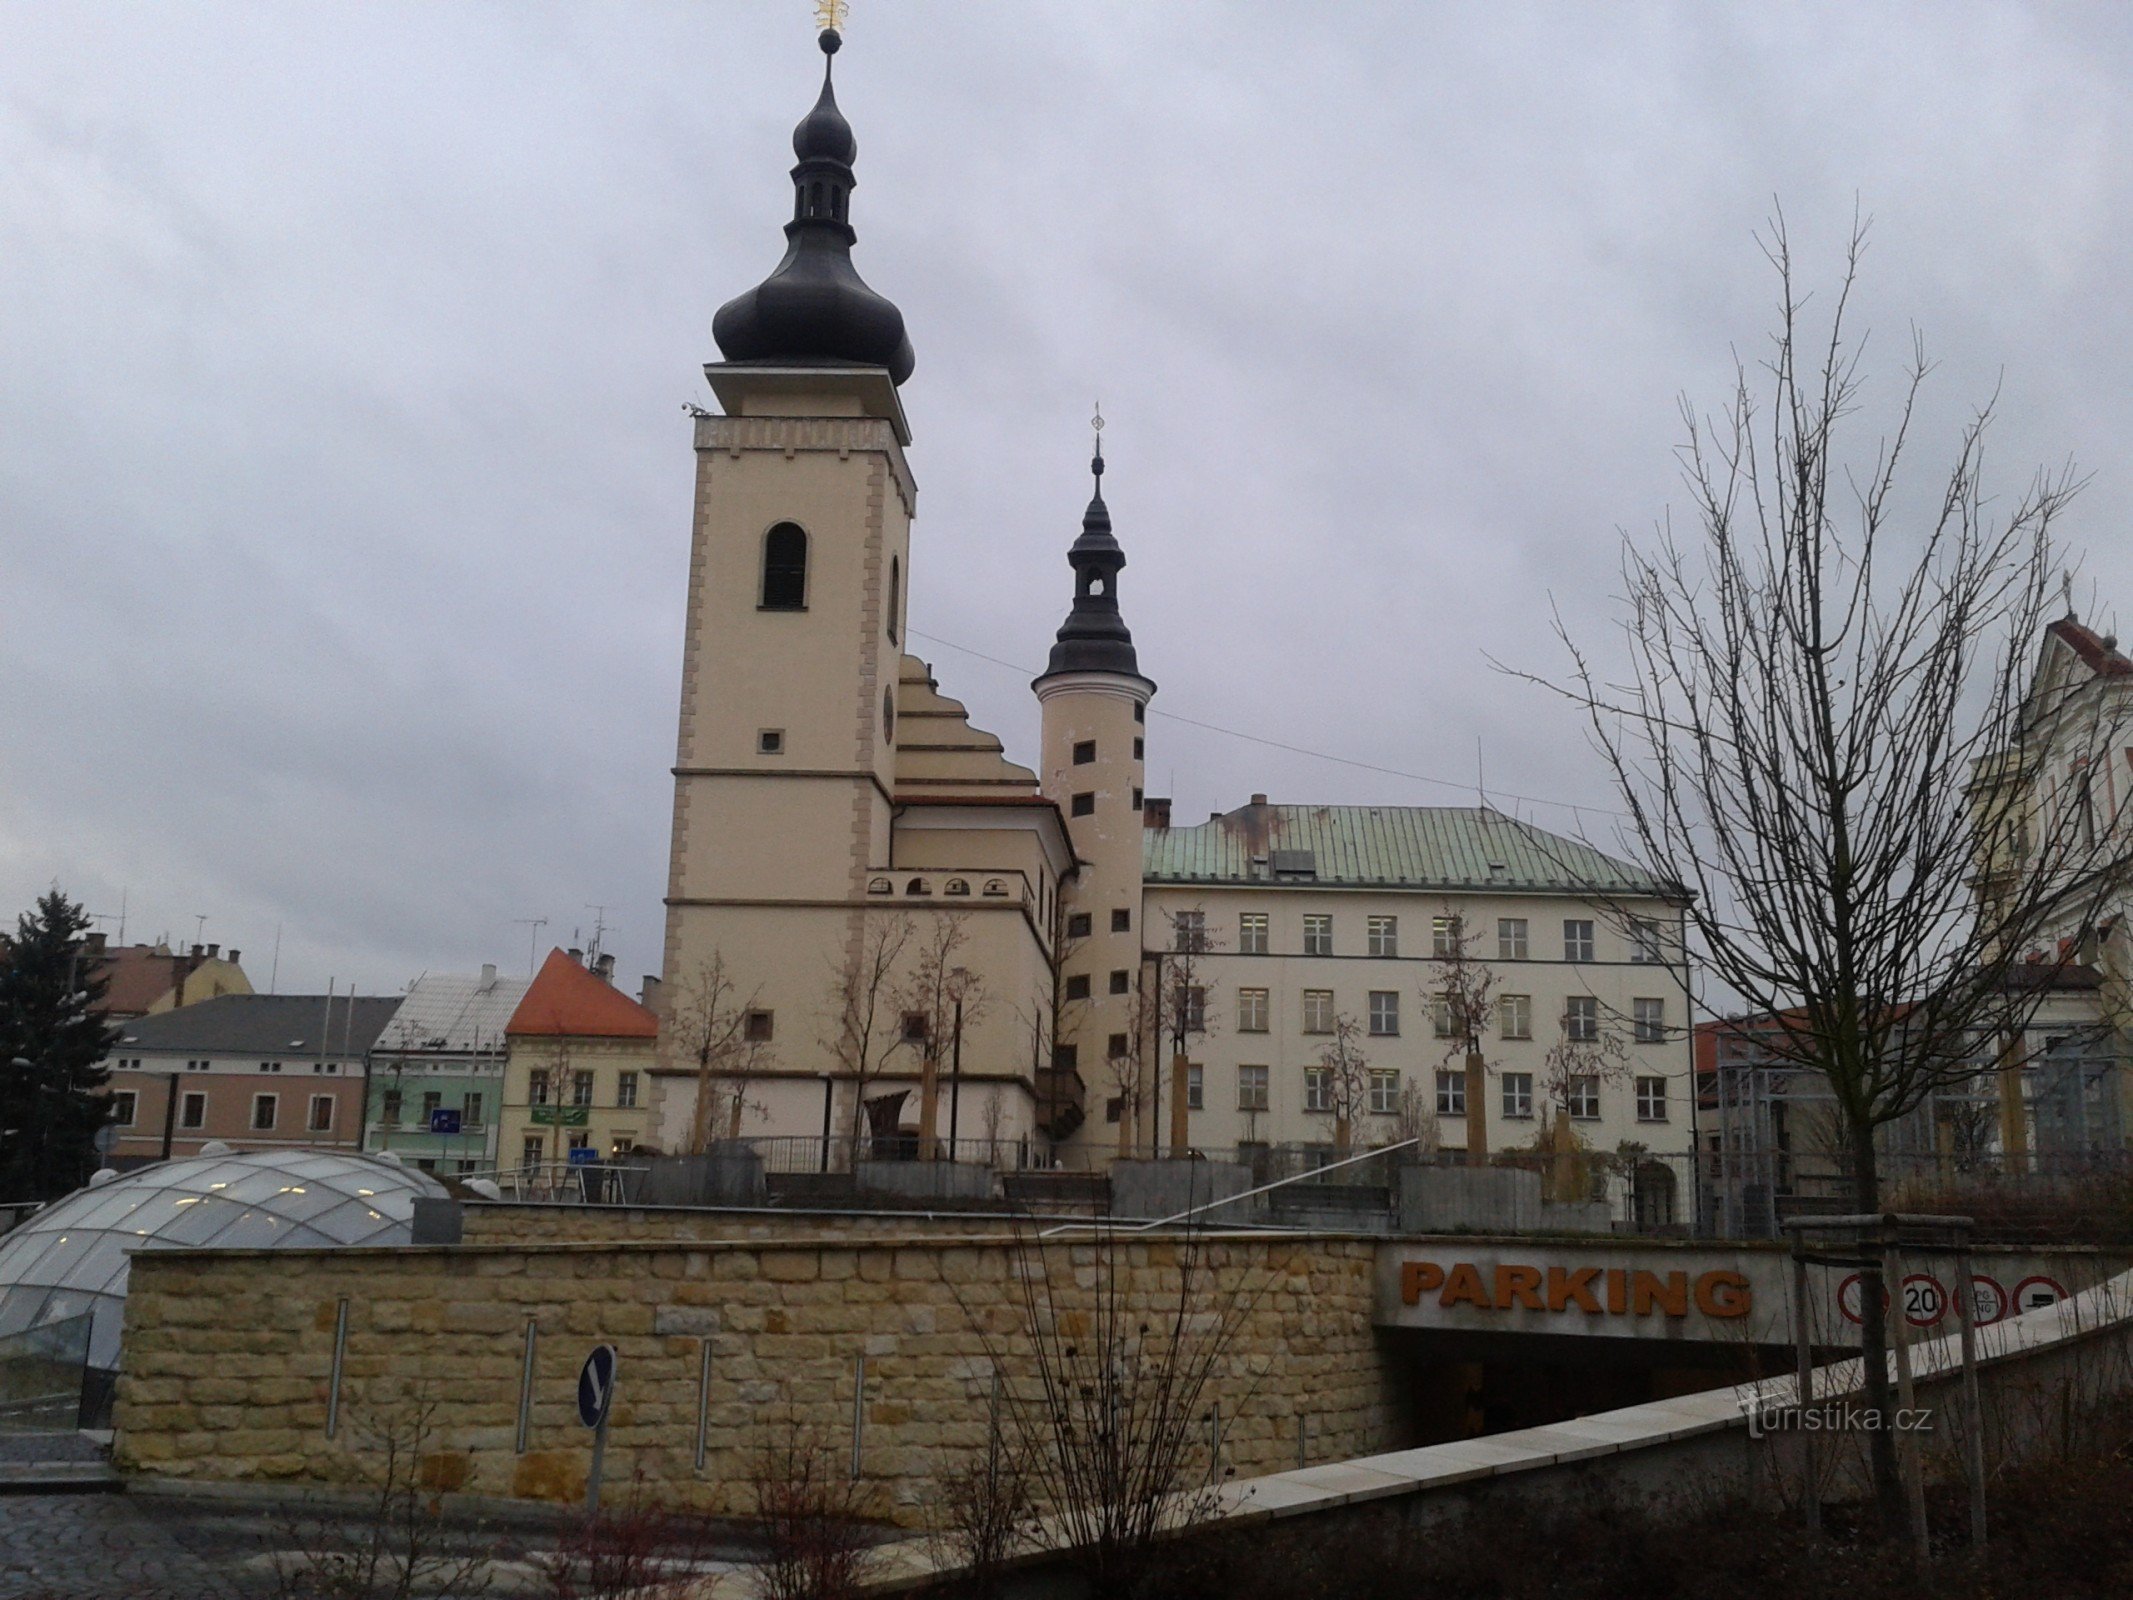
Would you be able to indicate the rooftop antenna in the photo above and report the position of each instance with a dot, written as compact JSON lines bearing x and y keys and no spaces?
{"x":274,"y":974}
{"x":1481,"y":783}
{"x":122,"y":916}
{"x":592,"y":951}
{"x":2066,"y":588}
{"x":199,"y":926}
{"x":533,"y":927}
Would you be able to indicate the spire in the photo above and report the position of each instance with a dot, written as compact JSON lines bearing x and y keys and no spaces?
{"x":814,"y":309}
{"x":1094,"y":637}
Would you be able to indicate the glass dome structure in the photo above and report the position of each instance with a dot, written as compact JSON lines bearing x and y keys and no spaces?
{"x":70,"y":1259}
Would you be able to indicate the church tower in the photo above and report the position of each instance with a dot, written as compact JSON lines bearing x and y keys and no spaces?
{"x":800,"y":561}
{"x":1094,"y":710}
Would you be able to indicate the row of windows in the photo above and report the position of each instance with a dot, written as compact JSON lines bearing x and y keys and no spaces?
{"x":134,"y":1063}
{"x":392,"y":1108}
{"x":1079,"y":924}
{"x":1321,"y":1093}
{"x":1514,"y":1014}
{"x":1084,"y":805}
{"x":1448,"y":936}
{"x":192,"y":1111}
{"x":581,"y":1083}
{"x":533,"y":1148}
{"x":1085,"y":751}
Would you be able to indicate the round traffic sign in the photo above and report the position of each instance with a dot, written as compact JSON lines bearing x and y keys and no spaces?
{"x":1988,"y":1301}
{"x":2032,"y":1294}
{"x":596,"y":1385}
{"x":1925,"y":1302}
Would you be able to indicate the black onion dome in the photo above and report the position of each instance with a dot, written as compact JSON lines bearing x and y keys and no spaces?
{"x":1094,"y":637}
{"x":814,"y":307}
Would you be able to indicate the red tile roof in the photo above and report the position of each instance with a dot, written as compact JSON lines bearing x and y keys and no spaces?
{"x":2098,"y":654}
{"x":567,"y":1000}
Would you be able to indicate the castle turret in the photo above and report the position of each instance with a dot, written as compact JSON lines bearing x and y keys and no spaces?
{"x":1094,"y":709}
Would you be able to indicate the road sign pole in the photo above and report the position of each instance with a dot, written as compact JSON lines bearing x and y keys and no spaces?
{"x":592,"y":1481}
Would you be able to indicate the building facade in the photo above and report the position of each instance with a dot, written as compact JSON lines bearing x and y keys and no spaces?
{"x":255,"y":1071}
{"x":142,"y":980}
{"x":437,"y":1071}
{"x":866,"y":898}
{"x":578,"y":1068}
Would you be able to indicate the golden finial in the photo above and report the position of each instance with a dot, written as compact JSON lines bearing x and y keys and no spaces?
{"x":829,"y":14}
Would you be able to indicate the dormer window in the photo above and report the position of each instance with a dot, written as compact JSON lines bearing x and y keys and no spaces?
{"x":785,"y":568}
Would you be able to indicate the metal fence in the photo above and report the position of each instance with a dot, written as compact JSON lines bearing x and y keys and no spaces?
{"x":797,"y":1153}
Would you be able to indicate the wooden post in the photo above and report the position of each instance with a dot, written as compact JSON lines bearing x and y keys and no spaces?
{"x":1477,"y":1111}
{"x":1973,"y":1409}
{"x":1180,"y":1125}
{"x":1899,"y":1327}
{"x":1803,"y":1339}
{"x":929,"y":1103}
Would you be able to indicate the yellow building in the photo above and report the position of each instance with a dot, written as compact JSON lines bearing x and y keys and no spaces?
{"x":577,"y":1069}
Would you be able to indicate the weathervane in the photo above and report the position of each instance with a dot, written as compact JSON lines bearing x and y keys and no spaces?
{"x":1097,"y":422}
{"x":829,"y":14}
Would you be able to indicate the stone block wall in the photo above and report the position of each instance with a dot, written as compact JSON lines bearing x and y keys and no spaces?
{"x":228,"y":1357}
{"x":533,"y":1222}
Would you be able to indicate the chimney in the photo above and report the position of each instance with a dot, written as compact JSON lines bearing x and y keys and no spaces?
{"x":198,"y":951}
{"x":577,"y":955}
{"x":233,"y":955}
{"x":214,"y":952}
{"x":604,"y":969}
{"x":1155,"y":812}
{"x":96,"y":945}
{"x":488,"y":975}
{"x":1258,"y":799}
{"x":648,"y":995}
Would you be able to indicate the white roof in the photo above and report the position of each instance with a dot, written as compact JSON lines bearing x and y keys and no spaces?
{"x":452,"y":1013}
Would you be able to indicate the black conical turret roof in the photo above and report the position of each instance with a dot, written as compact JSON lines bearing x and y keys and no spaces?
{"x":814,"y":307}
{"x":1094,"y":637}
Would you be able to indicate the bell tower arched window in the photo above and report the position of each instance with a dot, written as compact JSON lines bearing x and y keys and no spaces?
{"x":785,"y":568}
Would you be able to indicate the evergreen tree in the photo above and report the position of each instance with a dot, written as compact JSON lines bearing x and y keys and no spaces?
{"x":51,"y":1053}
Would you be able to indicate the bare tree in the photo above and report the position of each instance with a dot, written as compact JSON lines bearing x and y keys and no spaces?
{"x":1586,"y":1056}
{"x":866,"y":1028}
{"x":1462,"y":995}
{"x":1345,"y":1086}
{"x":708,"y":1027}
{"x":1823,"y":732}
{"x":937,"y":999}
{"x":1169,"y":1007}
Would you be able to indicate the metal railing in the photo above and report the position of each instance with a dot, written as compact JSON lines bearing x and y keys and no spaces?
{"x":797,"y":1153}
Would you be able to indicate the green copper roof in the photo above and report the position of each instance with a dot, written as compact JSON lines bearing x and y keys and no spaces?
{"x":1409,"y":847}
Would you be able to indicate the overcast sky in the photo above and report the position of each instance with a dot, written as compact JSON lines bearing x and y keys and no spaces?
{"x":345,"y":480}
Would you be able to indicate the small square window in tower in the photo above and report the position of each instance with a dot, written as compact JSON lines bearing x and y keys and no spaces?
{"x":1084,"y":805}
{"x":770,"y":742}
{"x":760,"y":1027}
{"x":1077,"y":987}
{"x":1137,"y":748}
{"x":1121,"y":982}
{"x":1121,"y":921}
{"x":1077,"y":925}
{"x":1084,"y":752}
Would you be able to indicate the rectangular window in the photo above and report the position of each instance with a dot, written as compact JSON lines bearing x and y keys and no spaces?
{"x":1195,"y":1087}
{"x":321,"y":1113}
{"x":1318,"y":1089}
{"x":536,"y":1093}
{"x":1318,"y":1011}
{"x":431,"y":1102}
{"x":1510,"y":938}
{"x":1251,"y":1011}
{"x":1137,"y":749}
{"x":389,"y":1105}
{"x":470,"y":1111}
{"x":533,"y":1150}
{"x":1651,"y":1099}
{"x":1139,"y":800}
{"x":915,"y":1028}
{"x":1078,"y":925}
{"x":1518,"y":1094}
{"x":192,"y":1111}
{"x":581,"y":1141}
{"x":1444,"y":934}
{"x":1644,"y":948}
{"x":1189,"y":930}
{"x":1084,"y":804}
{"x":1122,"y":982}
{"x":770,"y":741}
{"x":263,"y":1112}
{"x":1582,"y":1096}
{"x":1451,"y":1093}
{"x":1192,"y":1008}
{"x":1084,"y":752}
{"x":1650,"y":1019}
{"x":1384,"y":1092}
{"x":1251,"y":933}
{"x":626,"y":1090}
{"x":1318,"y":935}
{"x":1514,"y":1015}
{"x":122,"y":1107}
{"x":1385,"y":1011}
{"x":1384,"y":933}
{"x":1077,"y":986}
{"x":1121,"y":920}
{"x":581,"y":1088}
{"x":1065,"y":1057}
{"x":760,"y":1027}
{"x":1577,"y":939}
{"x":1441,"y":1021}
{"x":1251,"y":1089}
{"x":1120,"y":1047}
{"x":1581,"y":1019}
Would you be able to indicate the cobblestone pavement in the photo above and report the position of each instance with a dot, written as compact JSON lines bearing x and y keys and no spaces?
{"x":141,"y":1547}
